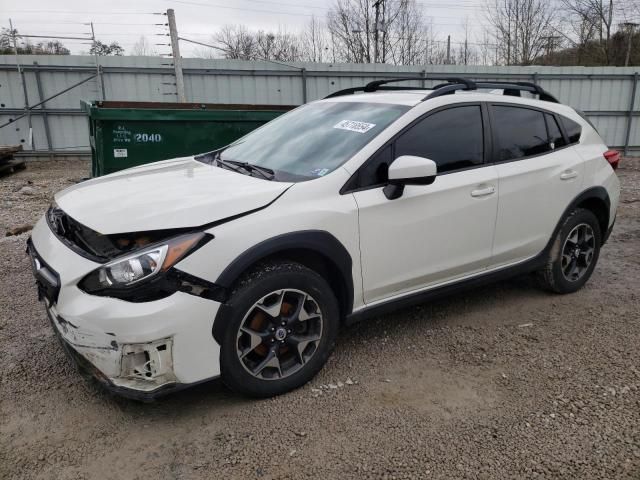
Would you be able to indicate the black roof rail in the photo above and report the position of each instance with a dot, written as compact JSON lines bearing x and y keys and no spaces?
{"x":378,"y":85}
{"x":451,"y":85}
{"x":510,"y":88}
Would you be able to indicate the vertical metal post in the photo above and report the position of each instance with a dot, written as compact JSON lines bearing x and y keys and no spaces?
{"x":23,"y":80}
{"x":177,"y":59}
{"x":303,"y":72}
{"x":423,"y":74}
{"x":98,"y":67}
{"x":534,"y":78}
{"x":45,"y":117}
{"x":632,"y":104}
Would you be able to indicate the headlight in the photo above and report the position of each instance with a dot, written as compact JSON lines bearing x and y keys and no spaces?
{"x":134,"y":268}
{"x":145,"y":264}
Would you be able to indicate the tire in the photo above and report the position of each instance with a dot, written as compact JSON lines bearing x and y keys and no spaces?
{"x":558,"y":275}
{"x":260,"y":324}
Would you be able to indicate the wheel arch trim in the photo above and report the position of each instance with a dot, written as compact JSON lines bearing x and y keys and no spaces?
{"x":593,"y":193}
{"x":317,"y":241}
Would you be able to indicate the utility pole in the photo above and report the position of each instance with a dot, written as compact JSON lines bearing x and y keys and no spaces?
{"x":98,"y":69}
{"x":448,"y":49}
{"x":630,"y":27}
{"x":376,"y":5}
{"x":177,"y":59}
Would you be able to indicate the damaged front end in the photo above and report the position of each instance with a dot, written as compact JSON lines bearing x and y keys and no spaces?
{"x":120,"y":312}
{"x":140,"y":371}
{"x":162,"y":279}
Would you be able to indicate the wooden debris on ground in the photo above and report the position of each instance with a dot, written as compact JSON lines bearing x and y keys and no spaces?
{"x":8,"y":163}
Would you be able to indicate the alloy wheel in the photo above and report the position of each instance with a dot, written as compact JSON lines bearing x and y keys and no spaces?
{"x":279,"y":334}
{"x":577,"y":252}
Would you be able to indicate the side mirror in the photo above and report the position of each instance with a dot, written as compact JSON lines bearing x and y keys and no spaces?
{"x":409,"y":170}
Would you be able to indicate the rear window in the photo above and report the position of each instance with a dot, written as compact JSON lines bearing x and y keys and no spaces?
{"x":573,"y":129}
{"x":520,"y":132}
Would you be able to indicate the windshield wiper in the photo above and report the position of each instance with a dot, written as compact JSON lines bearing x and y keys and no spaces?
{"x":265,"y":172}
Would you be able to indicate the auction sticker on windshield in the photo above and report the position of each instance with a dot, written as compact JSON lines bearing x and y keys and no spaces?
{"x":353,"y":126}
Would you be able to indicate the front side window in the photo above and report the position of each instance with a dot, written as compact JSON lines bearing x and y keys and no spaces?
{"x":452,"y":138}
{"x":520,"y":132}
{"x":313,"y":140}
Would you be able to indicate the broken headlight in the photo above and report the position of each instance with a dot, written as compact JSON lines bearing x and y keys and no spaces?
{"x":125,"y":273}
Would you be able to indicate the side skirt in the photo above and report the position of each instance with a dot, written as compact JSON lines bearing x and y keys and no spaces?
{"x":527,"y":266}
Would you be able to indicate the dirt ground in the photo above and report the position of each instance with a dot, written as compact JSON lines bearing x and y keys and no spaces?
{"x":505,"y":381}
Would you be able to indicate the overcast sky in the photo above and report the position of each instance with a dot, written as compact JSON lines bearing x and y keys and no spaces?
{"x":125,"y":21}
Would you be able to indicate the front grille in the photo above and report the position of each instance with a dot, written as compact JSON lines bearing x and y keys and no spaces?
{"x":96,"y":246}
{"x":47,"y":279}
{"x":81,"y":239}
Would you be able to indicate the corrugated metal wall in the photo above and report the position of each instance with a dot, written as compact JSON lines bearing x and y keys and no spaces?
{"x":604,"y":93}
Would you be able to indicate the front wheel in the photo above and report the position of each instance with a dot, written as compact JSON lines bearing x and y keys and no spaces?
{"x":280,"y":328}
{"x":574,"y":253}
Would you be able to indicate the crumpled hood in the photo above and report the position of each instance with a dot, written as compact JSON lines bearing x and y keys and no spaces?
{"x":176,"y":193}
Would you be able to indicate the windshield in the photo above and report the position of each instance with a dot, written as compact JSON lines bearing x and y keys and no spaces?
{"x":313,"y":140}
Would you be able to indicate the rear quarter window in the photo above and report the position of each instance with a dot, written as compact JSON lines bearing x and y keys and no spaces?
{"x":573,"y":129}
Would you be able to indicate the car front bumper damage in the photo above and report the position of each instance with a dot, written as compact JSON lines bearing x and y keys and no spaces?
{"x":136,"y":350}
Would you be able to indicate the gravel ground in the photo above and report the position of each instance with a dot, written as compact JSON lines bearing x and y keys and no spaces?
{"x":505,"y":381}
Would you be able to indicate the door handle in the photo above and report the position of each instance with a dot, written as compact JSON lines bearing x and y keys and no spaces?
{"x":483,"y":192}
{"x":568,"y":175}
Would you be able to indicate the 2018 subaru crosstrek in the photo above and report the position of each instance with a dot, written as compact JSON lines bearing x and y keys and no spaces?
{"x":244,"y":262}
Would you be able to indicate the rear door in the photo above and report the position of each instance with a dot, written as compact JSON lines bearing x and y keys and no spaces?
{"x":432,"y":233}
{"x":539,"y":173}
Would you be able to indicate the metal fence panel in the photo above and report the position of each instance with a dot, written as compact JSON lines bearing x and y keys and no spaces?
{"x":605,"y":93}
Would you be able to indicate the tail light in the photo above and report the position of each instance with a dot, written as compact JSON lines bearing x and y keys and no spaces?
{"x":613,"y":157}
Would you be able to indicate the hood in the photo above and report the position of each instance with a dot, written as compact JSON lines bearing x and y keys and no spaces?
{"x":175,"y":193}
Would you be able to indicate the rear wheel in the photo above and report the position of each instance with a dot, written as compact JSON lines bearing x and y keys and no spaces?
{"x":574,"y":253}
{"x":281,"y":327}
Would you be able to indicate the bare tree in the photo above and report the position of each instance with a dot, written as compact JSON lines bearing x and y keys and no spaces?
{"x":143,"y":48}
{"x":236,"y":42}
{"x":280,"y":46}
{"x":408,"y":36}
{"x":401,"y":35}
{"x":595,"y":18}
{"x":520,"y":28}
{"x":349,"y":23}
{"x":314,"y":42}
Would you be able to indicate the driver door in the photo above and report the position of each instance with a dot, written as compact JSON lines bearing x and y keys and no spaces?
{"x":433,"y":233}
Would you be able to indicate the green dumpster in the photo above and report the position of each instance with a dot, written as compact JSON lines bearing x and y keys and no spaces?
{"x":126,"y":134}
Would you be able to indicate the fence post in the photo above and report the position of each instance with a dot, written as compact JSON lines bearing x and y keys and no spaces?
{"x":177,"y":59}
{"x":23,"y":80}
{"x":45,"y":117}
{"x":423,"y":74}
{"x":630,"y":113}
{"x":303,"y":72}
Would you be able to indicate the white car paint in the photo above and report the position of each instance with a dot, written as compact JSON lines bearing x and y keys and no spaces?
{"x":429,"y":235}
{"x":466,"y":223}
{"x":153,"y":196}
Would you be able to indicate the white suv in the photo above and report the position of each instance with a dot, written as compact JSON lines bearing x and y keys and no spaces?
{"x":244,"y":262}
